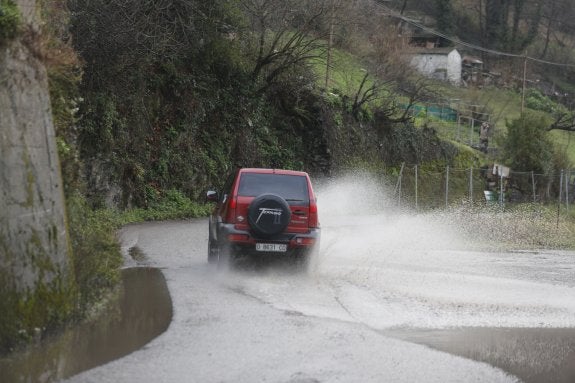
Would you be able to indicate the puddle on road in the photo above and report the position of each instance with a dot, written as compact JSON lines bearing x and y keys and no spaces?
{"x":534,"y":355}
{"x":143,"y":312}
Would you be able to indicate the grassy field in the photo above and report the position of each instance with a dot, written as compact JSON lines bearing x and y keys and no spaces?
{"x":502,"y":105}
{"x":346,"y":73}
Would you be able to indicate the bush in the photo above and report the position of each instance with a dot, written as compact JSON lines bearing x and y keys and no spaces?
{"x":173,"y":204}
{"x":10,"y":20}
{"x":537,"y":101}
{"x":96,"y":251}
{"x":527,"y":146}
{"x":97,"y":256}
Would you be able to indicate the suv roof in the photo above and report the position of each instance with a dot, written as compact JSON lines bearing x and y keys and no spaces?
{"x":273,"y":171}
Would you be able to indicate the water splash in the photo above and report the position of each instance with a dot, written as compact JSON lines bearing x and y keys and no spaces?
{"x":366,"y":201}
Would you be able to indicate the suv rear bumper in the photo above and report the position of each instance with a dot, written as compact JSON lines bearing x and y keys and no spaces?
{"x":245,"y":240}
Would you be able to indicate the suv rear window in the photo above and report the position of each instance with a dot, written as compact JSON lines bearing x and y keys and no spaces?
{"x":291,"y":188}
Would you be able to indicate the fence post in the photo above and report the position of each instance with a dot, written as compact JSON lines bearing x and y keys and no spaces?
{"x":446,"y":186}
{"x":501,"y":199}
{"x":561,"y":187}
{"x":416,"y":189}
{"x":398,"y":185}
{"x":471,"y":186}
{"x":533,"y":186}
{"x":567,"y":176}
{"x":560,"y":196}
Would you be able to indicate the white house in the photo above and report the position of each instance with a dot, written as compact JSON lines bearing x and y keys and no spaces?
{"x":440,"y":63}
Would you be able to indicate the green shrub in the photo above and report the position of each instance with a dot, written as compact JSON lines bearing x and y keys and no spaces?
{"x":527,"y":146}
{"x":10,"y":20}
{"x":97,"y":256}
{"x":173,"y":204}
{"x":537,"y":101}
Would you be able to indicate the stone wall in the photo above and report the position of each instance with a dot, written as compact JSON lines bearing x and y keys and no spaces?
{"x":33,"y":237}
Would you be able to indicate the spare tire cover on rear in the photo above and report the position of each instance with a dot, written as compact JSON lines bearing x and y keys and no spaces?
{"x":269,"y":214}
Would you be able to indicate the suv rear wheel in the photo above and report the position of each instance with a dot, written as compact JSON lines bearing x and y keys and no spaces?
{"x":213,"y":251}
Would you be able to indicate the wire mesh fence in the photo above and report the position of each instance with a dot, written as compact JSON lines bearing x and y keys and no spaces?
{"x":421,"y":188}
{"x":454,"y":120}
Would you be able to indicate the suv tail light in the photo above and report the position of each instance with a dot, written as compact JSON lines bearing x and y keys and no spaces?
{"x":313,"y":220}
{"x":231,"y":216}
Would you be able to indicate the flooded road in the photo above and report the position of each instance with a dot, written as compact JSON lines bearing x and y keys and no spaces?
{"x":535,"y":355}
{"x":144,"y":311}
{"x":141,"y":311}
{"x":369,"y":310}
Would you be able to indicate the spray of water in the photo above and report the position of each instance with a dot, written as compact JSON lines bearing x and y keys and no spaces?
{"x":360,"y":218}
{"x":393,"y":267}
{"x":360,"y":215}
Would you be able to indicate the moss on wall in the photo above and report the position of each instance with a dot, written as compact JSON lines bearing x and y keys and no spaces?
{"x":30,"y":180}
{"x":27,"y":315}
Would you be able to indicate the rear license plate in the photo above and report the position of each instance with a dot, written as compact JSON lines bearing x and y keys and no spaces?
{"x":271,"y":247}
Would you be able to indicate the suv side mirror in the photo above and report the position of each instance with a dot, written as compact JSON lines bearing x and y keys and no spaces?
{"x":212,"y":196}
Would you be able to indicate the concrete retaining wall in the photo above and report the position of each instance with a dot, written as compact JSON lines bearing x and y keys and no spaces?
{"x":33,"y":235}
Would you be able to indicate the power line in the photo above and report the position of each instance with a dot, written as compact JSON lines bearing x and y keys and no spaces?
{"x":394,"y":14}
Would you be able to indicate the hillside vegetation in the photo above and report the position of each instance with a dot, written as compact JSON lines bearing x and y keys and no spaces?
{"x":174,"y":94}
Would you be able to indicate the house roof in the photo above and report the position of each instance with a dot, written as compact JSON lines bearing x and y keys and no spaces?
{"x":472,"y":60}
{"x":433,"y":51}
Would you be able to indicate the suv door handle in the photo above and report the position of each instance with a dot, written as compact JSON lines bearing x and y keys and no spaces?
{"x":299,"y":212}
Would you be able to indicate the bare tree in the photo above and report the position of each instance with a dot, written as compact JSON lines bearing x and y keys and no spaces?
{"x":556,"y":23}
{"x":563,"y":121}
{"x":285,"y":37}
{"x":551,"y":13}
{"x":365,"y":93}
{"x":398,"y":78}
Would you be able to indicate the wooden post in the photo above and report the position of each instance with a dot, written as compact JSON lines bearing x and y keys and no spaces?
{"x":329,"y":46}
{"x":524,"y":84}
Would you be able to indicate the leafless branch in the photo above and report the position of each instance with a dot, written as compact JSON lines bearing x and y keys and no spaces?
{"x":563,"y":121}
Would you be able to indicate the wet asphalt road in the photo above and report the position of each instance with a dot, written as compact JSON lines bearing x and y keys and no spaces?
{"x":344,"y":321}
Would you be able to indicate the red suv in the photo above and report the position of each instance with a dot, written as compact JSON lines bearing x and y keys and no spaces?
{"x":264,"y":211}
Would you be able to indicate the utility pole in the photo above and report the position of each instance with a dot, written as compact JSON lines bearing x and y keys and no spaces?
{"x":524,"y":81}
{"x":329,"y":45}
